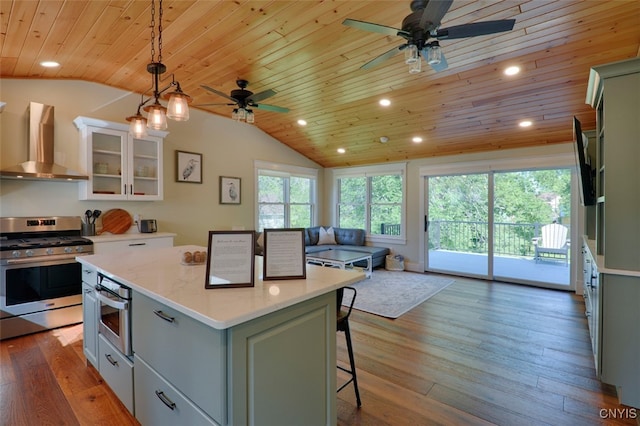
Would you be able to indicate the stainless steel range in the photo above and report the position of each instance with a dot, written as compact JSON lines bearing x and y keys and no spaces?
{"x":40,"y":280}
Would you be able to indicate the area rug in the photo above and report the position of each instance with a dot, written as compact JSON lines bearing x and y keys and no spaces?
{"x":390,"y":293}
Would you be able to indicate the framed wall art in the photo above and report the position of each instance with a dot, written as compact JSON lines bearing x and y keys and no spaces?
{"x":188,"y":167}
{"x":230,"y":190}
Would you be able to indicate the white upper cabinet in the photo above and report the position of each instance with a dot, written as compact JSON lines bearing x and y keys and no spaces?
{"x":120,"y":167}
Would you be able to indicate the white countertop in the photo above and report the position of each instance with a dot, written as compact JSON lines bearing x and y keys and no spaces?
{"x":103,"y":238}
{"x":599,"y":259}
{"x":158,"y":273}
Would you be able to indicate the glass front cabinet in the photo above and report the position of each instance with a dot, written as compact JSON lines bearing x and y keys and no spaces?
{"x":120,"y":167}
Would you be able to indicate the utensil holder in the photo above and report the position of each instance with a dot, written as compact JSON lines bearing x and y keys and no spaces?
{"x":88,"y":229}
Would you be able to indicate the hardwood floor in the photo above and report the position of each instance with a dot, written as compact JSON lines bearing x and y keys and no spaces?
{"x":477,"y":353}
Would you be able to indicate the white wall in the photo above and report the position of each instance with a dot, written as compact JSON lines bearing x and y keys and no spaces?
{"x":190,"y":210}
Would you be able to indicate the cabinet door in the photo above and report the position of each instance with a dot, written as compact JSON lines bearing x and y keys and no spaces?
{"x":90,"y":323}
{"x":106,"y":161}
{"x":145,"y":168}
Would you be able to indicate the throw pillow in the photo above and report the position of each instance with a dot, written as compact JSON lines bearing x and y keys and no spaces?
{"x":327,"y":236}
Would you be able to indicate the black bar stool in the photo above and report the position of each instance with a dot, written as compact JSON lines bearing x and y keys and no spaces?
{"x":343,"y":325}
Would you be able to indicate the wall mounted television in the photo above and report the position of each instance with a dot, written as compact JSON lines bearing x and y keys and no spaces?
{"x":586,"y":174}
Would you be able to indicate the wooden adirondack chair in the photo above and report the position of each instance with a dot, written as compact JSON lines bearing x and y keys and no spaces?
{"x":552,"y":243}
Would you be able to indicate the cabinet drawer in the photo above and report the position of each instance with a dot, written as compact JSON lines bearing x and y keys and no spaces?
{"x":132,"y":244}
{"x":188,"y":354}
{"x":117,"y":371}
{"x":160,"y":403}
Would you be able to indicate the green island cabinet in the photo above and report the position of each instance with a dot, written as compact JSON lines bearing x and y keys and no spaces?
{"x":612,"y":250}
{"x":231,"y":356}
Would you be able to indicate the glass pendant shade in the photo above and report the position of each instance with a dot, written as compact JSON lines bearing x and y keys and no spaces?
{"x":234,"y":114}
{"x":137,"y":126}
{"x":242,"y":114}
{"x":415,"y":67}
{"x":411,"y":54}
{"x":434,"y":54}
{"x":250,"y":117}
{"x":178,"y":108}
{"x":157,"y":118}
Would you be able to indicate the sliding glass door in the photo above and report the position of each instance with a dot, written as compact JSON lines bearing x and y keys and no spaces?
{"x":458,"y":224}
{"x":510,"y":226}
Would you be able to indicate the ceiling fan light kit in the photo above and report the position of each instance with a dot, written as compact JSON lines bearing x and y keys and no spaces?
{"x":422,"y":25}
{"x":157,"y":114}
{"x":244,"y":100}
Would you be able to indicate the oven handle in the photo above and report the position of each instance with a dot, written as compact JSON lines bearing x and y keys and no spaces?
{"x":113,"y":303}
{"x":41,"y":259}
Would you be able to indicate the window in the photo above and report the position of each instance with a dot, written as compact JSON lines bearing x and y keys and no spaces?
{"x":372,"y":198}
{"x":286,"y":196}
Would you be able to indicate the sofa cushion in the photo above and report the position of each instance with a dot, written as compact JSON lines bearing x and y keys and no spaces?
{"x":326,"y":236}
{"x":350,"y":236}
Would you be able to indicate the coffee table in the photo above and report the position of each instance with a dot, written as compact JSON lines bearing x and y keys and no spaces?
{"x":341,"y":259}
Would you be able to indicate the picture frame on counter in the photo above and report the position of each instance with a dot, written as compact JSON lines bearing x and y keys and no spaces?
{"x":188,"y":167}
{"x":284,"y":257}
{"x":230,"y":190}
{"x":230,"y":259}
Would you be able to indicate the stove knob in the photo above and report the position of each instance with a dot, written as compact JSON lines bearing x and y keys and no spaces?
{"x":68,"y":249}
{"x":15,"y":253}
{"x":29,"y":252}
{"x":49,"y":251}
{"x":79,"y":249}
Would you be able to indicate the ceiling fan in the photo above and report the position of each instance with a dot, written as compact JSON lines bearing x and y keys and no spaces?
{"x":244,"y":100}
{"x":422,"y":25}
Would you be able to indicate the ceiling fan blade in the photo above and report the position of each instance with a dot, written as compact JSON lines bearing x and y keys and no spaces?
{"x":443,"y":65}
{"x":208,"y":105}
{"x":380,"y":59}
{"x":217,"y":92}
{"x":375,"y":28}
{"x":270,"y":108}
{"x":475,"y":29}
{"x":257,"y":97}
{"x":433,"y":14}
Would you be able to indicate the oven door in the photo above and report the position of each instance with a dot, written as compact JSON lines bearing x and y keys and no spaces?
{"x":29,"y":285}
{"x":115,"y":318}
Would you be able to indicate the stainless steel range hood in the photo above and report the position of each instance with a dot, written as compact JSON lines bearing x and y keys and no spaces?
{"x":40,"y":165}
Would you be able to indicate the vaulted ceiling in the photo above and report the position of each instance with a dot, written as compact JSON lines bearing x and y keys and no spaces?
{"x":302,"y":50}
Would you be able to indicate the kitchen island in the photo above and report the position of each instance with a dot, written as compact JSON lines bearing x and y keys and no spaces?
{"x":254,"y":355}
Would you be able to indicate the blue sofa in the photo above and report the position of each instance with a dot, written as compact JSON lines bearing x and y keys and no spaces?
{"x":347,"y":239}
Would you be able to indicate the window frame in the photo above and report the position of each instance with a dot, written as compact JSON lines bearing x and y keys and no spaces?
{"x":264,"y":168}
{"x":369,"y":172}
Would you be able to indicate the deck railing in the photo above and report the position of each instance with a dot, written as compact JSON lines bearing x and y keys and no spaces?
{"x":510,"y":239}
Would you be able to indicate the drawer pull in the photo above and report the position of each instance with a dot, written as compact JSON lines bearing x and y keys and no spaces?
{"x":166,"y":401}
{"x":164,"y":316}
{"x":137,"y":244}
{"x":111,"y":360}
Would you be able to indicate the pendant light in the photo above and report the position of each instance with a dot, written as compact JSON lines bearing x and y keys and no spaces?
{"x":157,"y":114}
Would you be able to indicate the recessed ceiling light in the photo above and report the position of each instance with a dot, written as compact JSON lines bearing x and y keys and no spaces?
{"x":302,"y":122}
{"x":341,"y":150}
{"x":49,"y":64}
{"x":384,"y":102}
{"x":525,"y":123}
{"x":416,"y":139}
{"x":513,"y":70}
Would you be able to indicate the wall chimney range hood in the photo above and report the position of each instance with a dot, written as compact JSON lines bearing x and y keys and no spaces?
{"x":40,"y":165}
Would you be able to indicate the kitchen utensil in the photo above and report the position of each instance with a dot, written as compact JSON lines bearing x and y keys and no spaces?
{"x":95,"y":215}
{"x":116,"y":221}
{"x":87,"y":216}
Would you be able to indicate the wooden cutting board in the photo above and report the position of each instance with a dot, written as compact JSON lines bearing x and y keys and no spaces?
{"x":116,"y":221}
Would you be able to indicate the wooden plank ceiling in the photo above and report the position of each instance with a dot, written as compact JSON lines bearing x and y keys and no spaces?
{"x":301,"y":50}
